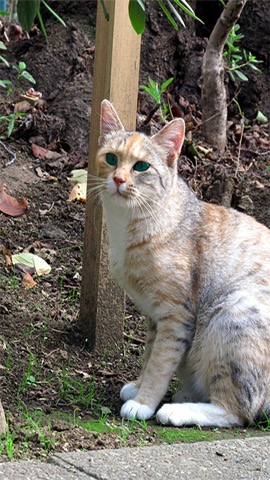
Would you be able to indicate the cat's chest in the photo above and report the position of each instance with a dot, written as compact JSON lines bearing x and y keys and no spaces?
{"x":117,"y":254}
{"x":117,"y":230}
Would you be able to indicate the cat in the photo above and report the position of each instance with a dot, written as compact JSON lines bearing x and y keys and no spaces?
{"x":199,"y":272}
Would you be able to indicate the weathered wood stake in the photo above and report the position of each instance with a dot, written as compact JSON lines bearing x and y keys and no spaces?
{"x":116,"y":76}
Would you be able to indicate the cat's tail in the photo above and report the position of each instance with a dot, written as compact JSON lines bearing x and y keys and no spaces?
{"x":262,"y":419}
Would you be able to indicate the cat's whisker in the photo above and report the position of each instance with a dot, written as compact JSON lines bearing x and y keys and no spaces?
{"x":145,"y":206}
{"x":152,"y":200}
{"x":95,"y":192}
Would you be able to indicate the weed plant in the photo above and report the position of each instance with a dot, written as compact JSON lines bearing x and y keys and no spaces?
{"x":237,"y":58}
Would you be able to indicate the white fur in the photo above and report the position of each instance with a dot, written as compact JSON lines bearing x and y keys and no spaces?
{"x":129,"y":391}
{"x":201,"y":414}
{"x":117,"y":228}
{"x":132,"y":410}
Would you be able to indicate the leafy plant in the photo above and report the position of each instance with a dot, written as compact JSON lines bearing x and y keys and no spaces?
{"x":29,"y":379}
{"x":27,"y":10}
{"x":35,"y":424}
{"x":7,"y":444}
{"x":137,"y":13}
{"x":3,"y":59}
{"x":23,"y":73}
{"x":10,"y":120}
{"x":156,"y":92}
{"x":74,"y":391}
{"x":236,"y":58}
{"x":4,"y":83}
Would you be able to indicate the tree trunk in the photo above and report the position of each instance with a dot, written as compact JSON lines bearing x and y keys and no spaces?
{"x":214,"y":101}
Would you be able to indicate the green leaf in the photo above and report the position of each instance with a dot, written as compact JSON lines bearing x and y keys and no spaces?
{"x":32,"y":261}
{"x":26,"y":11}
{"x":188,"y":10}
{"x":11,"y":124}
{"x":241,"y":75}
{"x":164,"y":85}
{"x":54,"y":13}
{"x":168,"y":15}
{"x":178,"y":16}
{"x":237,"y":57}
{"x":261,"y":118}
{"x":78,"y":176}
{"x":147,"y":89}
{"x":137,"y":15}
{"x":28,"y":76}
{"x":22,"y":66}
{"x":184,"y":2}
{"x":152,"y":83}
{"x":5,"y":83}
{"x":42,"y":24}
{"x":256,"y":69}
{"x":2,"y":46}
{"x":4,"y":60}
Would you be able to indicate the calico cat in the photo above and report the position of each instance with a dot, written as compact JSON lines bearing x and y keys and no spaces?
{"x":199,"y":272}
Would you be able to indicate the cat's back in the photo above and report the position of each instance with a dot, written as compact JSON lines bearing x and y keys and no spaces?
{"x":227,"y":230}
{"x":233,"y":254}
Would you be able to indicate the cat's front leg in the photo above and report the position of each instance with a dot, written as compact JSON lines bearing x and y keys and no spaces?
{"x":130,"y":390}
{"x":166,"y":353}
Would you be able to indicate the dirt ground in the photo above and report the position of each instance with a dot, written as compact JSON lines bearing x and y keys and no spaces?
{"x":44,"y":362}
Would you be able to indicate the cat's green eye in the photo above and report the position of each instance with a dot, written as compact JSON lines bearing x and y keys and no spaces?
{"x":141,"y":166}
{"x":111,"y":159}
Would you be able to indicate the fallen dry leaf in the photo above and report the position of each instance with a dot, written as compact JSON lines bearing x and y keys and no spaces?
{"x":28,"y":281}
{"x":10,"y":206}
{"x":44,"y":153}
{"x":22,"y":107}
{"x":8,"y":261}
{"x":39,"y":152}
{"x":78,"y":192}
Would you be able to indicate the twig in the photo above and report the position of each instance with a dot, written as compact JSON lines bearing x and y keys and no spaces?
{"x":150,"y":114}
{"x":247,"y":150}
{"x":240,"y":145}
{"x":226,"y":199}
{"x":10,"y":152}
{"x":134,"y":339}
{"x":216,"y":114}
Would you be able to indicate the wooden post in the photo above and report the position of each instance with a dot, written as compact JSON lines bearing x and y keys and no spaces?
{"x":116,"y":76}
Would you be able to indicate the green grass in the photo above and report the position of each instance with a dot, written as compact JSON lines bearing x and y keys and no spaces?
{"x":188,"y":435}
{"x":38,"y":425}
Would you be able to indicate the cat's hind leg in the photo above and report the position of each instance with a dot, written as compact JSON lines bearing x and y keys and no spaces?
{"x":201,"y":414}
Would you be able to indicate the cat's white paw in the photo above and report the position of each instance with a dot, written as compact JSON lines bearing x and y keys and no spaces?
{"x":129,"y":391}
{"x":132,"y":409}
{"x":172,"y":414}
{"x":201,"y":414}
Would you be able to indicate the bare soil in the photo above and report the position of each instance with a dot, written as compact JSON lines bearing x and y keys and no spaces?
{"x":44,"y":362}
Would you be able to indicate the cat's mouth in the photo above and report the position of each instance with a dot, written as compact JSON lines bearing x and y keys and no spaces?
{"x":117,"y":191}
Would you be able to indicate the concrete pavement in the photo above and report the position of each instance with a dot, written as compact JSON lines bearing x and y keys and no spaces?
{"x":227,"y":460}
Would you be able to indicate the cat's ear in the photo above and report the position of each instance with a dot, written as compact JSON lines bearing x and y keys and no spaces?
{"x":110,"y":122}
{"x":171,"y":137}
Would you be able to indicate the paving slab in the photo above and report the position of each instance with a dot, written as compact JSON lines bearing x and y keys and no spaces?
{"x":247,"y":459}
{"x":37,"y":471}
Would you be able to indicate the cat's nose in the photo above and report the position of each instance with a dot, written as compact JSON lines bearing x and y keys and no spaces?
{"x":118,"y":180}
